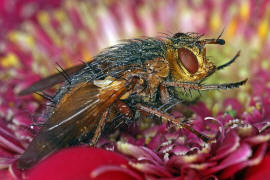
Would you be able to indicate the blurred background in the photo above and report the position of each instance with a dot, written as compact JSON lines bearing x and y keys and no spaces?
{"x":35,"y":34}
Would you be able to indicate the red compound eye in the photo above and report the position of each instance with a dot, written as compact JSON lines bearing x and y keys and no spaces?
{"x":188,"y":59}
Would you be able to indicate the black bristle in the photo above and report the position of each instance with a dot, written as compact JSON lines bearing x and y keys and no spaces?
{"x":64,"y":73}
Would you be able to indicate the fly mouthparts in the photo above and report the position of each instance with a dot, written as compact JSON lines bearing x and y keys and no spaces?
{"x":214,"y":41}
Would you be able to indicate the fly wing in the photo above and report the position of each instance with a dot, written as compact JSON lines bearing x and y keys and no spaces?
{"x":76,"y":115}
{"x":50,"y":80}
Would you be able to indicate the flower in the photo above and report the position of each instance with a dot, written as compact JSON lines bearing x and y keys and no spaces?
{"x":86,"y":163}
{"x":36,"y":34}
{"x":240,"y":141}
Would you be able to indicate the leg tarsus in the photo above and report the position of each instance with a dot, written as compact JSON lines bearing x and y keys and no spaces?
{"x":173,"y":120}
{"x":99,"y":129}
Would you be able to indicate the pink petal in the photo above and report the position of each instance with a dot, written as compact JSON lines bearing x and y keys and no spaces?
{"x":239,"y":155}
{"x":10,"y":142}
{"x":136,"y":152}
{"x":200,"y":156}
{"x":256,"y":159}
{"x":5,"y":175}
{"x":78,"y":163}
{"x":261,"y":138}
{"x":235,"y":105}
{"x":201,"y":109}
{"x":230,"y":143}
{"x":201,"y":166}
{"x":110,"y":169}
{"x":260,"y":171}
{"x":148,"y":168}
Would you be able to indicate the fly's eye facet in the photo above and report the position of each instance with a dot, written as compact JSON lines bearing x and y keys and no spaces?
{"x":188,"y":59}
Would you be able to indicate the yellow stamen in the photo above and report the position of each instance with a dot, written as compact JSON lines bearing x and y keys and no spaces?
{"x":231,"y":28}
{"x":215,"y":22}
{"x":263,"y":29}
{"x":44,"y":20}
{"x":10,"y":60}
{"x":245,"y":10}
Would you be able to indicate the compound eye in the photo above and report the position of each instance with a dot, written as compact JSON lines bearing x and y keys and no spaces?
{"x":188,"y":59}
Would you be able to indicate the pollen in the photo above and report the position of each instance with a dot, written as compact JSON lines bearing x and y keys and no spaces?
{"x":245,"y":10}
{"x":85,"y":53}
{"x":10,"y":60}
{"x":43,"y":17}
{"x":263,"y":29}
{"x":232,"y":28}
{"x":22,"y":38}
{"x":215,"y":21}
{"x":44,"y":20}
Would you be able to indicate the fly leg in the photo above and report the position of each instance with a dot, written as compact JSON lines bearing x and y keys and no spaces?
{"x":124,"y":109}
{"x":98,"y":130}
{"x":164,"y":94}
{"x":174,"y":121}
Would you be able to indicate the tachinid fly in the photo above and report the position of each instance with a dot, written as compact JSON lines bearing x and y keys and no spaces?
{"x":121,"y":81}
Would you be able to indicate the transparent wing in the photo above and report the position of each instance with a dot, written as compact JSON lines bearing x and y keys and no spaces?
{"x":76,"y":115}
{"x":50,"y":80}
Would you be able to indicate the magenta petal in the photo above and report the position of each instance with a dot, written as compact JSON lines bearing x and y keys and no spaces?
{"x":6,"y":161}
{"x":260,"y":171}
{"x":261,"y":138}
{"x":17,"y":174}
{"x":10,"y":142}
{"x":212,"y":177}
{"x":247,"y":130}
{"x":153,"y":154}
{"x":166,"y":148}
{"x":155,"y":142}
{"x":148,"y":168}
{"x":22,"y":119}
{"x":201,"y":166}
{"x":201,"y":109}
{"x":180,"y":150}
{"x":256,"y":159}
{"x":136,"y":152}
{"x":230,"y":143}
{"x":78,"y":163}
{"x":235,"y":105}
{"x":5,"y":175}
{"x":239,"y":155}
{"x":109,"y":169}
{"x":156,"y":136}
{"x":200,"y":156}
{"x":189,"y":174}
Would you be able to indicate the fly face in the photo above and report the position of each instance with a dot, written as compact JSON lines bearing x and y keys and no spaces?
{"x":186,"y":54}
{"x":187,"y":57}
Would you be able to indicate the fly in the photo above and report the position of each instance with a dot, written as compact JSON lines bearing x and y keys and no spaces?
{"x":134,"y":76}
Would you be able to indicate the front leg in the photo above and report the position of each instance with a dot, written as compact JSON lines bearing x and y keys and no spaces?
{"x":173,"y":120}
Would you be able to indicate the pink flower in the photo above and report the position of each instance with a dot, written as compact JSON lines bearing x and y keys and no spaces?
{"x":238,"y":144}
{"x":36,"y":34}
